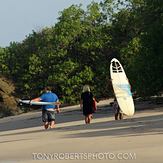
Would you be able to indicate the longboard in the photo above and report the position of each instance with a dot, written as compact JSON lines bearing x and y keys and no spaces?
{"x":121,"y":88}
{"x":38,"y":103}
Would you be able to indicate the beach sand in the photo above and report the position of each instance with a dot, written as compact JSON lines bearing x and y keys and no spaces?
{"x":133,"y":139}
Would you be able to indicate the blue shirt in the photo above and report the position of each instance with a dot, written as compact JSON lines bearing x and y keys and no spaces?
{"x":49,"y":97}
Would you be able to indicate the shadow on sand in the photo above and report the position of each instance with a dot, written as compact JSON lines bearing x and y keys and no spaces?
{"x":36,"y":120}
{"x":150,"y":125}
{"x":136,"y":126}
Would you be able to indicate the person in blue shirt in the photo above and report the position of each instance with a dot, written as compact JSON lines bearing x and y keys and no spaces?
{"x":48,"y":111}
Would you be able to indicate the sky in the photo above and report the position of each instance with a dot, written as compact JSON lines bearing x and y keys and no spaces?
{"x":19,"y":17}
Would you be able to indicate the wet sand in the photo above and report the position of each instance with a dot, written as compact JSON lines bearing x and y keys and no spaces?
{"x":133,"y":139}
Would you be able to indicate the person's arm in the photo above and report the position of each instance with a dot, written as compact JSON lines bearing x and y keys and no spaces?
{"x":36,"y":99}
{"x":95,"y":99}
{"x":57,"y":107}
{"x":81,"y":103}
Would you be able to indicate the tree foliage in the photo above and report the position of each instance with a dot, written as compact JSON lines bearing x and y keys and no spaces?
{"x":77,"y":50}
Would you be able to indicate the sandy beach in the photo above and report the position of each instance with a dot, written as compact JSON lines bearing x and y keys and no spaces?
{"x":133,"y":139}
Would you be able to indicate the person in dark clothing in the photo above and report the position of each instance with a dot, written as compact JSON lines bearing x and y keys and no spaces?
{"x":118,"y":113}
{"x":86,"y":103}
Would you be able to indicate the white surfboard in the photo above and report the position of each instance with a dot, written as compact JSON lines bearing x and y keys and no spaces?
{"x":38,"y":103}
{"x":121,"y":88}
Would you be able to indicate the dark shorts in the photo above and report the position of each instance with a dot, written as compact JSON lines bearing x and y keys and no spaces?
{"x":87,"y":111}
{"x":48,"y":116}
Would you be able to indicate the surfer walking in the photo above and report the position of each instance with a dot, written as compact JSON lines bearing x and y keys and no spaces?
{"x":117,"y":111}
{"x":86,"y":103}
{"x":48,"y":111}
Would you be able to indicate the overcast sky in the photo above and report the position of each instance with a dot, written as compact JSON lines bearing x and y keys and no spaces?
{"x":19,"y":17}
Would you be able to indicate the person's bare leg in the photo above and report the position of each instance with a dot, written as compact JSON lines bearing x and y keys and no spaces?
{"x":120,"y":115}
{"x":86,"y":119}
{"x":52,"y":124}
{"x":116,"y":116}
{"x":90,"y":118}
{"x":46,"y":125}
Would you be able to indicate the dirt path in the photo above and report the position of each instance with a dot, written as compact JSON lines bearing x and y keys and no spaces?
{"x":136,"y":139}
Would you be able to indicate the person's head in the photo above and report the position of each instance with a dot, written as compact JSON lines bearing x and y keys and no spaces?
{"x":48,"y":88}
{"x":86,"y":88}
